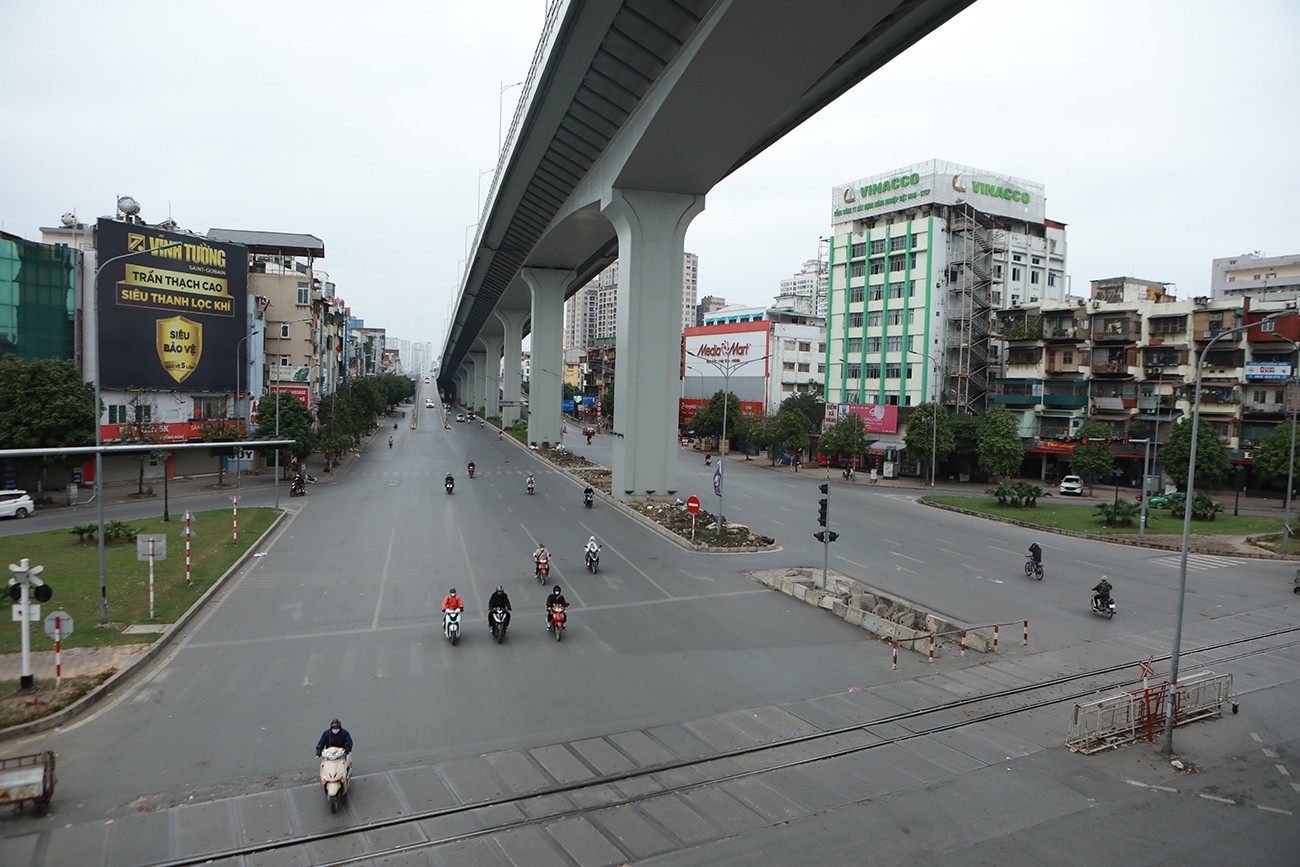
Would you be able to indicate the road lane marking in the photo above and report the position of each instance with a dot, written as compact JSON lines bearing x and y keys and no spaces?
{"x":905,"y":557}
{"x":383,"y":578}
{"x":1216,"y":798}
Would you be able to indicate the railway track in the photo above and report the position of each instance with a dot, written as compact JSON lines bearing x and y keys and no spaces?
{"x":539,"y":806}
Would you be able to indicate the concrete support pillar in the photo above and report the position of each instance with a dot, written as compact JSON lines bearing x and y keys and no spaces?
{"x":545,"y":386}
{"x":511,"y":360}
{"x":651,"y":230}
{"x":474,"y":378}
{"x":491,"y":382}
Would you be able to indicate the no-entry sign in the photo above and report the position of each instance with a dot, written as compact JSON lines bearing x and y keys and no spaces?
{"x":692,"y":504}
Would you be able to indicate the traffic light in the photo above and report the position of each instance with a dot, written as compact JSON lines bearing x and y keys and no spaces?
{"x":822,"y":536}
{"x":833,"y":535}
{"x":821,"y":511}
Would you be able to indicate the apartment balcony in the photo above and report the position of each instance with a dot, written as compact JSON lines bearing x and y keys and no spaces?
{"x":1109,"y":368}
{"x":1257,"y":408}
{"x":1116,"y":328}
{"x":1070,"y":401}
{"x":1063,"y":333}
{"x":1069,"y":362}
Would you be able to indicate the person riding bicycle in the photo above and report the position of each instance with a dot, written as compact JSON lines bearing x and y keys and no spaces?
{"x":499,"y":599}
{"x":1036,"y":553}
{"x":1101,"y":593}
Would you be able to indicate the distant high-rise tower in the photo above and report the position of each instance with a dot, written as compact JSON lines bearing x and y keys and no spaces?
{"x":592,"y":313}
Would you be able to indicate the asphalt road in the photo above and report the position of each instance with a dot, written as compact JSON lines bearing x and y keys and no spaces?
{"x":340,"y":618}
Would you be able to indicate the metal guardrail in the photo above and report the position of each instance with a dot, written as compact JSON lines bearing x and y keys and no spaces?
{"x":1139,"y":714}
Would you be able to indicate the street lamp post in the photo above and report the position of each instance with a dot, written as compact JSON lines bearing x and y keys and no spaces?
{"x":1290,"y":467}
{"x":99,"y":433}
{"x":1167,"y":747}
{"x":500,"y":113}
{"x":934,"y":421}
{"x":238,"y":365}
{"x":278,"y":407}
{"x":726,"y":368}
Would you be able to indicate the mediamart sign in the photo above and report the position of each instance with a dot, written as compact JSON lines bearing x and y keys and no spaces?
{"x":938,"y":182}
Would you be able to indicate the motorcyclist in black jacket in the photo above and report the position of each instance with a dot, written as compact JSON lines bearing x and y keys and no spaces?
{"x":499,"y":599}
{"x":556,"y":598}
{"x":334,"y":736}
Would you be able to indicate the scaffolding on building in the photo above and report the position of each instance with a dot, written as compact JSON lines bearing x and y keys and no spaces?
{"x":968,"y":335}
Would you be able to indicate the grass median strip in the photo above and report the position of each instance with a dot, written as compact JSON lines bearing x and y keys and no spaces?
{"x":1083,"y":519}
{"x":71,"y":569}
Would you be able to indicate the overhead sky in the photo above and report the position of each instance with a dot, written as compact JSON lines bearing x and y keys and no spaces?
{"x":1164,"y":132}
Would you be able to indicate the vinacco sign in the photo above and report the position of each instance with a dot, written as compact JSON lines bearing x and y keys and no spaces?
{"x":169,"y":316}
{"x":939,"y":182}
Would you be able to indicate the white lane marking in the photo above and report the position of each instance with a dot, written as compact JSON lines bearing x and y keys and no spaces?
{"x":383,"y":578}
{"x":905,"y":557}
{"x":904,"y":569}
{"x":1003,"y":550}
{"x":1257,"y":738}
{"x":642,"y":573}
{"x":1215,"y":798}
{"x":1166,"y":789}
{"x":1272,"y":754}
{"x":1281,"y":769}
{"x":1272,"y":810}
{"x":854,"y":562}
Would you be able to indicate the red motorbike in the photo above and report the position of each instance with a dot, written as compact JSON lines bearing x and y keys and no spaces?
{"x":543,"y":568}
{"x":555,"y":622}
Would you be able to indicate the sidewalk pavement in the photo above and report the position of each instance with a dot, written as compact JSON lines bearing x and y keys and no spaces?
{"x":75,"y":662}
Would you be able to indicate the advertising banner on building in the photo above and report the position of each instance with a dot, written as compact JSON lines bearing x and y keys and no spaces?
{"x":876,"y":418}
{"x":169,"y":317}
{"x":733,"y":354}
{"x":936,"y":181}
{"x":688,"y":407}
{"x":1259,"y":371}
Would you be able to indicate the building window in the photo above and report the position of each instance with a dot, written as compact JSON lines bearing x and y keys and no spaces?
{"x":1033,"y":277}
{"x":909,"y":370}
{"x":803,"y":368}
{"x":855,"y":320}
{"x":1015,"y":274}
{"x":899,"y":243}
{"x":877,"y":267}
{"x":873,"y":345}
{"x":209,"y":407}
{"x":1051,"y":279}
{"x":304,"y":293}
{"x":896,"y":290}
{"x":894,"y":344}
{"x":284,"y":330}
{"x":857,"y":269}
{"x":898,"y":263}
{"x":893,"y":370}
{"x":997,"y":272}
{"x":895,"y":317}
{"x":1016,"y":257}
{"x":877,"y":292}
{"x":821,"y":347}
{"x":1034,"y":260}
{"x":855,"y":295}
{"x":855,"y":346}
{"x":284,"y":361}
{"x":911,"y":289}
{"x":853,"y":370}
{"x":872,"y":371}
{"x":821,"y":368}
{"x":1267,"y":326}
{"x":120,"y":413}
{"x":787,"y":365}
{"x":873,"y":319}
{"x":789,"y":345}
{"x":805,"y":347}
{"x":858,"y":250}
{"x":877,"y":246}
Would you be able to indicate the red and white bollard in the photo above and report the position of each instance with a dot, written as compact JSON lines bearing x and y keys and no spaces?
{"x":963,"y":644}
{"x":187,"y":549}
{"x":234,"y":518}
{"x":895,"y":654}
{"x":1026,"y":638}
{"x":995,"y":638}
{"x":58,"y":656}
{"x":151,"y":579}
{"x":931,"y":647}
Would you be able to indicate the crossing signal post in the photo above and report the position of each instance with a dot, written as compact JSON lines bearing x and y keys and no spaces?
{"x":825,"y":536}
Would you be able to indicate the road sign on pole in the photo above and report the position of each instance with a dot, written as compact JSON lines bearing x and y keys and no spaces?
{"x":692,"y":504}
{"x":61,"y":619}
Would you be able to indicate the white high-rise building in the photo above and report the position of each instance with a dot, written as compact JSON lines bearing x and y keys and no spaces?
{"x":920,"y":260}
{"x":805,"y":292}
{"x":591,"y":314}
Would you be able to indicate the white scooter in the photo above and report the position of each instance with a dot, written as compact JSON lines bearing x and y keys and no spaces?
{"x":451,"y":624}
{"x":335,"y":774}
{"x":1104,"y":608}
{"x":593,"y":558}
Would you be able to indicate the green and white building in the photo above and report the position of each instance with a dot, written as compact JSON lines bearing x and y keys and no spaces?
{"x":921,"y":259}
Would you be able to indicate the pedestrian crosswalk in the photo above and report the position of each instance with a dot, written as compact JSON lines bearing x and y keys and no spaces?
{"x":1197,"y":562}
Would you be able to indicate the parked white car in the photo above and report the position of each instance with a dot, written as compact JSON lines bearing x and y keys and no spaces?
{"x":16,"y":504}
{"x":1072,"y":485}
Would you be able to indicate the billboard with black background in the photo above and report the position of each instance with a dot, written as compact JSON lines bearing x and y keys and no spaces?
{"x":173,"y":318}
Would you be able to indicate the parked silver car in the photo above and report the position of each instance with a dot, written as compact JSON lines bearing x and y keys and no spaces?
{"x":1072,"y":485}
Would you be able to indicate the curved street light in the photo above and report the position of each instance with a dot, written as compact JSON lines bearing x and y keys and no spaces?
{"x":1167,"y":747}
{"x":727,"y":368}
{"x":99,"y":433}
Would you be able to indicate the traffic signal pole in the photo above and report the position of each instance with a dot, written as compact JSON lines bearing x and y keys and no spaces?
{"x":823,"y":518}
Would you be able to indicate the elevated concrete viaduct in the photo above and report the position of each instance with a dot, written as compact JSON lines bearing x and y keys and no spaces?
{"x":632,"y":111}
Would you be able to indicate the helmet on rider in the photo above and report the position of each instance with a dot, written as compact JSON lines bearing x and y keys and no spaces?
{"x":501,"y":588}
{"x":453,"y":592}
{"x":335,"y":724}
